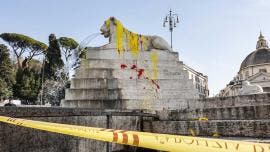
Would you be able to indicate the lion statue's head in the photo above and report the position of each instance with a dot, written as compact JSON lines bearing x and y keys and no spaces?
{"x":105,"y":28}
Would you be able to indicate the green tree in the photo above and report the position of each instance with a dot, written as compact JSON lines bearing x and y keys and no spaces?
{"x":28,"y":85}
{"x":67,"y":46}
{"x":6,"y":73}
{"x":23,"y":45}
{"x":53,"y":61}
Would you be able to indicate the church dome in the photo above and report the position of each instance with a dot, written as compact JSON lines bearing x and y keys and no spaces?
{"x":260,"y":56}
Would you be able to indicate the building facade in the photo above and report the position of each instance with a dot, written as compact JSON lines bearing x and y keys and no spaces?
{"x":200,"y":81}
{"x":255,"y":69}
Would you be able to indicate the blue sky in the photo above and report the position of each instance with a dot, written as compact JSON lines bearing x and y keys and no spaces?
{"x":213,"y":36}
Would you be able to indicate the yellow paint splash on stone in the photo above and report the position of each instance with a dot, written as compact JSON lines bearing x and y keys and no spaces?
{"x":216,"y":134}
{"x":192,"y":132}
{"x":130,"y":41}
{"x":203,"y":119}
{"x":154,"y":60}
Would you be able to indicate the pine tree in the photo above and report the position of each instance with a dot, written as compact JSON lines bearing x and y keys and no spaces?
{"x":6,"y":73}
{"x":53,"y":62}
{"x":23,"y":45}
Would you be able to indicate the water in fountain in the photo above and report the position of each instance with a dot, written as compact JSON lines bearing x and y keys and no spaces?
{"x":75,"y":57}
{"x":88,"y":39}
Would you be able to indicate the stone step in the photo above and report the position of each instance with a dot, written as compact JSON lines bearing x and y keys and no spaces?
{"x":93,"y":104}
{"x":90,"y":83}
{"x":238,"y":128}
{"x":102,"y":83}
{"x":114,"y":94}
{"x":129,"y":73}
{"x":129,"y":68}
{"x":95,"y":73}
{"x":155,"y":104}
{"x":92,"y":94}
{"x":116,"y":64}
{"x":223,"y":113}
{"x":218,"y":102}
{"x":143,"y":55}
{"x":147,"y":104}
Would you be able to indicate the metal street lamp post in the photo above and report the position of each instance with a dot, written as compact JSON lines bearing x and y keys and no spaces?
{"x":172,"y":19}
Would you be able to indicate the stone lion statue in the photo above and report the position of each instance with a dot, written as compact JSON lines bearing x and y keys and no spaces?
{"x":125,"y":40}
{"x":248,"y":88}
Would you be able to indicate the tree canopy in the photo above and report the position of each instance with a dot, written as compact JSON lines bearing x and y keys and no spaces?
{"x":29,"y":74}
{"x":22,"y":44}
{"x":67,"y":45}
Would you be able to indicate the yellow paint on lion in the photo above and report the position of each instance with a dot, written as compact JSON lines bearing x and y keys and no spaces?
{"x":161,"y":142}
{"x":144,"y":42}
{"x":119,"y":37}
{"x":108,"y":23}
{"x":133,"y":44}
{"x":127,"y":40}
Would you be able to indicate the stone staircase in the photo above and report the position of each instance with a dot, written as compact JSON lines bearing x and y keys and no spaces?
{"x":258,"y":112}
{"x":107,"y":80}
{"x":246,"y":116}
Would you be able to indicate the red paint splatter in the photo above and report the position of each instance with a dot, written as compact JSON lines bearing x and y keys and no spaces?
{"x":155,"y":83}
{"x":130,"y":77}
{"x":123,"y":66}
{"x":133,"y":66}
{"x":140,"y":73}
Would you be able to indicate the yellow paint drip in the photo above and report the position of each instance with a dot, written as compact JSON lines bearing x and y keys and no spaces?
{"x":119,"y":37}
{"x":144,"y":42}
{"x":133,"y":44}
{"x":126,"y":40}
{"x":154,"y":60}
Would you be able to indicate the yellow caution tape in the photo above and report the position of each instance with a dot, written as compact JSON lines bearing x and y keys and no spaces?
{"x":163,"y":142}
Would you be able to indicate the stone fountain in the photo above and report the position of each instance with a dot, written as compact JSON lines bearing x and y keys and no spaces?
{"x":132,"y":71}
